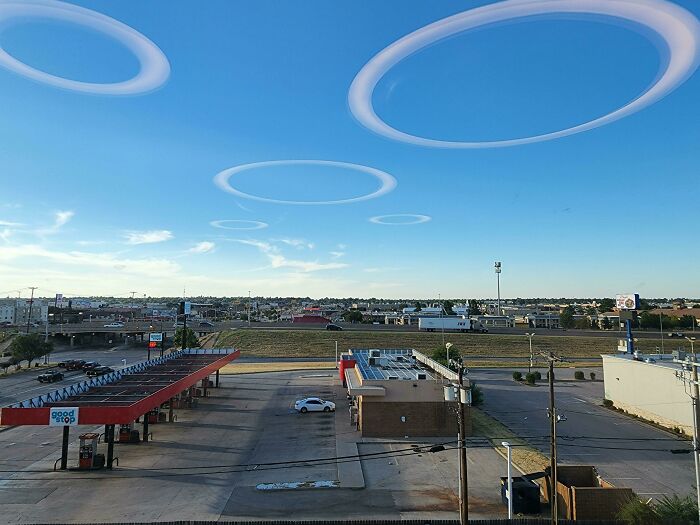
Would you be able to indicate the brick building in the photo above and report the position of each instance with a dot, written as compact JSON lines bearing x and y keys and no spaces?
{"x":399,"y":393}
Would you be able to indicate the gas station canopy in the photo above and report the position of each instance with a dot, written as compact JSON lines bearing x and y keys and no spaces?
{"x":124,"y":395}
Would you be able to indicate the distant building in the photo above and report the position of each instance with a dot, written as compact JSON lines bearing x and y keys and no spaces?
{"x":306,"y":319}
{"x":543,"y":320}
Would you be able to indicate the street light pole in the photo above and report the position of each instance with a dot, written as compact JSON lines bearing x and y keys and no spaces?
{"x":497,"y":269}
{"x":510,"y":479}
{"x":530,"y":336}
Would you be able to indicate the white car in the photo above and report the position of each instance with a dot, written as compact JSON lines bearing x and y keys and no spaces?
{"x":114,"y":325}
{"x":314,"y":404}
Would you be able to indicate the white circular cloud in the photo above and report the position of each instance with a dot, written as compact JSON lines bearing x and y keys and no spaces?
{"x":154,"y":67}
{"x":417,"y":219}
{"x":254,"y":225}
{"x":678,"y":28}
{"x":388,"y":182}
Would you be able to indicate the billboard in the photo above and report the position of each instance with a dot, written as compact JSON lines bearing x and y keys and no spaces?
{"x":59,"y":300}
{"x":63,"y":416}
{"x":155,"y":337}
{"x":628,"y":301}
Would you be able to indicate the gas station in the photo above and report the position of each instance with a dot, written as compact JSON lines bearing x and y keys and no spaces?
{"x":141,"y":393}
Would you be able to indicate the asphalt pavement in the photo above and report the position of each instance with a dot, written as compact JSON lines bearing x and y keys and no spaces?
{"x":626,"y":452}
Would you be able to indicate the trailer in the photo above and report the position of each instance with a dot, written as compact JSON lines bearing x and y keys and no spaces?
{"x":454,"y":324}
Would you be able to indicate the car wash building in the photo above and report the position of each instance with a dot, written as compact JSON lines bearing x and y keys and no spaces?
{"x":399,"y":393}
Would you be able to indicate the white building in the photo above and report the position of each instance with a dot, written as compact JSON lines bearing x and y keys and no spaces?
{"x":652,"y":390}
{"x":7,"y":312}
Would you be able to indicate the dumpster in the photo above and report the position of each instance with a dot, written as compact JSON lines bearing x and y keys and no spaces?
{"x":526,"y":495}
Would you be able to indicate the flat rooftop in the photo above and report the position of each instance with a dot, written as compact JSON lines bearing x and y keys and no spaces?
{"x":393,"y":363}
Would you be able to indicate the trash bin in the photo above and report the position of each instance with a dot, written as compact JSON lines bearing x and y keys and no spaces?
{"x":526,"y":495}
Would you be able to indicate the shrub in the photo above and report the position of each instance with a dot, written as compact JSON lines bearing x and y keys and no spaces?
{"x":636,"y":512}
{"x":592,"y":376}
{"x":607,"y":403}
{"x":530,"y":378}
{"x":579,"y":375}
{"x":678,"y":510}
{"x":477,"y":395}
{"x":538,"y":376}
{"x":517,"y":376}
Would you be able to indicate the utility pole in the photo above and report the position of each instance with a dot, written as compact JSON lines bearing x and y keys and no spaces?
{"x":661,"y":325}
{"x":442,"y":321}
{"x":464,"y":494}
{"x":696,"y":412}
{"x":553,"y":438}
{"x":248,"y":308}
{"x":31,"y":302}
{"x":530,"y":336}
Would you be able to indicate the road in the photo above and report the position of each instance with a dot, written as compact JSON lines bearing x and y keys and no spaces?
{"x":138,"y":327}
{"x":23,"y":385}
{"x":626,"y":452}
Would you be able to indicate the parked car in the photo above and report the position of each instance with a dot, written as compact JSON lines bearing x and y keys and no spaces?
{"x":50,"y":377}
{"x":314,"y":404}
{"x":114,"y":325}
{"x":99,"y":371}
{"x":75,"y":364}
{"x":205,"y":324}
{"x":90,"y":365}
{"x":333,"y":327}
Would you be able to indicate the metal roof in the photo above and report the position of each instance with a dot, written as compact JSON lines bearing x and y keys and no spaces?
{"x":124,"y":395}
{"x":399,"y":363}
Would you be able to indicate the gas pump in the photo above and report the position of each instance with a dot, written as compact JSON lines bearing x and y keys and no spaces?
{"x":152,"y":415}
{"x":124,"y":433}
{"x":127,"y":434}
{"x":88,"y":456}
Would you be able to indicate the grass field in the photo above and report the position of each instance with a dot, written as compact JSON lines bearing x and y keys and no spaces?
{"x":319,"y":343}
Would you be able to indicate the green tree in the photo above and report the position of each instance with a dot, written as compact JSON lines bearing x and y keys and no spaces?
{"x":191,"y":340}
{"x":474,"y":308}
{"x":353,"y":316}
{"x":582,"y":324}
{"x":477,"y":395}
{"x":649,"y":320}
{"x":607,"y":324}
{"x":447,"y":305}
{"x":29,"y":347}
{"x":418,"y":306}
{"x":594,"y":324}
{"x":566,"y":318}
{"x":606,"y":305}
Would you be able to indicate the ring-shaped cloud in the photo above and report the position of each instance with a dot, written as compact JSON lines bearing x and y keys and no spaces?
{"x":417,"y":219}
{"x":387,"y":182}
{"x":678,"y":28}
{"x":254,"y":225}
{"x":154,"y":66}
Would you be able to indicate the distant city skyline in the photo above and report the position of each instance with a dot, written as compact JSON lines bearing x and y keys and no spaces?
{"x":297,"y":150}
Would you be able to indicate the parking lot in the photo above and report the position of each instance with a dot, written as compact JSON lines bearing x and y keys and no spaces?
{"x":626,"y":452}
{"x":245,"y":434}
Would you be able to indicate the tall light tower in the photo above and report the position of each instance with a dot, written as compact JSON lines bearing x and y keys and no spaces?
{"x":497,"y":269}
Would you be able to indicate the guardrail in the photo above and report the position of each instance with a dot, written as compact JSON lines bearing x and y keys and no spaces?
{"x":83,"y":386}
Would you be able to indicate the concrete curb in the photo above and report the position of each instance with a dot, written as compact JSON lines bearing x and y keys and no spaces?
{"x":349,"y":472}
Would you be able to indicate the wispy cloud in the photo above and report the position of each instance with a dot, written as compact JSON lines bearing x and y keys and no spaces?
{"x":5,"y":234}
{"x":60,"y":219}
{"x":11,"y":224}
{"x":147,"y":266}
{"x":337,"y":255}
{"x":277,"y":260}
{"x":297,"y":243}
{"x":202,"y":247}
{"x":148,"y":237}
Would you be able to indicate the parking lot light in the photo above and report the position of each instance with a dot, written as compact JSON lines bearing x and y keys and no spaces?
{"x":509,"y":493}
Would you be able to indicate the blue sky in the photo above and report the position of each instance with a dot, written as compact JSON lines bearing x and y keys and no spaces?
{"x":104,"y":194}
